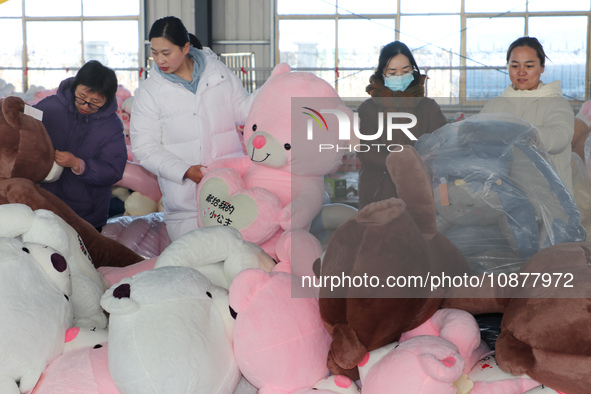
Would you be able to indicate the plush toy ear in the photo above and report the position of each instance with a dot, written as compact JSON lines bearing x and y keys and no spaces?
{"x":249,"y":255}
{"x":12,"y":107}
{"x":346,"y":348}
{"x":245,"y":285}
{"x":200,"y":247}
{"x":381,"y":212}
{"x":117,"y":299}
{"x":409,"y":174}
{"x":447,"y":369}
{"x":513,"y":355}
{"x":17,"y":219}
{"x":281,"y":68}
{"x":54,"y":265}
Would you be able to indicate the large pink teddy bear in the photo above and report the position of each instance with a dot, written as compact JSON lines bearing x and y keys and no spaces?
{"x":292,"y":141}
{"x":280,"y":342}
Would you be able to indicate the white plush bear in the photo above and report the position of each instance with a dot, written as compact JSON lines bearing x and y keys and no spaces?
{"x":47,"y":228}
{"x":218,"y":252}
{"x":35,"y":309}
{"x":170,"y":331}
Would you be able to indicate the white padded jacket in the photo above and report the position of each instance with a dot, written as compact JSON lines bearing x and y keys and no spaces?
{"x":172,"y":129}
{"x":553,"y":117}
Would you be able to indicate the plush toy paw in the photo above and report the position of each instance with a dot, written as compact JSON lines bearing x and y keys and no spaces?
{"x":31,"y":334}
{"x":8,"y":386}
{"x":224,"y":200}
{"x":218,"y":252}
{"x":423,"y":365}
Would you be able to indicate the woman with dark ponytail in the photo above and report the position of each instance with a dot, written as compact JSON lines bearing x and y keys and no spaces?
{"x":184,"y":116}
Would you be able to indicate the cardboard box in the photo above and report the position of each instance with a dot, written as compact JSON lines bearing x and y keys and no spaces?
{"x":335,"y":187}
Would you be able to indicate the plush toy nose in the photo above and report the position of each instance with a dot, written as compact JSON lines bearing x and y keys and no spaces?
{"x":59,"y":263}
{"x":122,"y":291}
{"x":259,"y":141}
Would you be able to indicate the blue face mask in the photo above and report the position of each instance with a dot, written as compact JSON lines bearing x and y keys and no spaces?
{"x":398,"y":82}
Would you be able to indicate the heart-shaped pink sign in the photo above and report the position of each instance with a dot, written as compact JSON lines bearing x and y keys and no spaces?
{"x":225,"y":201}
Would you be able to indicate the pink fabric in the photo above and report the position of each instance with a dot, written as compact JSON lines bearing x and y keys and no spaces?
{"x":72,"y":333}
{"x":457,"y":326}
{"x":146,"y":235}
{"x":137,"y":178}
{"x":421,"y":365}
{"x":280,"y":341}
{"x":343,"y":381}
{"x":82,"y":370}
{"x":114,"y":275}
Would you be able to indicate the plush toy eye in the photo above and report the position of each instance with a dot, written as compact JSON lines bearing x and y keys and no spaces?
{"x":233,"y":313}
{"x":122,"y":291}
{"x":254,"y":127}
{"x":26,"y":250}
{"x":59,"y":263}
{"x":287,"y":146}
{"x":316,"y":267}
{"x":209,"y":294}
{"x":97,"y":346}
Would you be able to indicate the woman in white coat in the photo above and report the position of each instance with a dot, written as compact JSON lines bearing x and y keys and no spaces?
{"x":184,"y":116}
{"x":542,"y":105}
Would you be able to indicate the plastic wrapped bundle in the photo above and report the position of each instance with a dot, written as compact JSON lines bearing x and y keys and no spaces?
{"x":497,"y":195}
{"x":146,"y":235}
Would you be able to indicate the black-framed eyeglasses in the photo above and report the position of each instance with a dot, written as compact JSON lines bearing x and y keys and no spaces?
{"x":92,"y":106}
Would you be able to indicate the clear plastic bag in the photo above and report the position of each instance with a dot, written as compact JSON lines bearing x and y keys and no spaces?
{"x":497,"y":197}
{"x":146,"y":235}
{"x":582,"y":189}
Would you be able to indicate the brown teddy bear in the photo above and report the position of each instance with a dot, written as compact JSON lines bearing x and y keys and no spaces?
{"x":393,"y":238}
{"x":26,"y":158}
{"x":546,"y":310}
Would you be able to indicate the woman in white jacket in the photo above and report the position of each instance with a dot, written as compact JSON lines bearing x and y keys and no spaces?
{"x":184,"y":116}
{"x":542,"y":105}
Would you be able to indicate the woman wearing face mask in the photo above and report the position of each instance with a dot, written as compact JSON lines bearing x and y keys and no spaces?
{"x":396,"y":86}
{"x":542,"y":105}
{"x":184,"y":116}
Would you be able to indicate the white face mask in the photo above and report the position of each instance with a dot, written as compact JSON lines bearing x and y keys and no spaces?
{"x":398,"y":82}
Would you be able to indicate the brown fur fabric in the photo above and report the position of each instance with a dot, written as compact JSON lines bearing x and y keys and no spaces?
{"x":26,"y":157}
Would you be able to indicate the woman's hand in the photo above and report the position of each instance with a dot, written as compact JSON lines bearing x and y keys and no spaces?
{"x":194,"y":173}
{"x":66,"y":159}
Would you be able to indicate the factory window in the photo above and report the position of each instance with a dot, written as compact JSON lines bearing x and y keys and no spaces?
{"x":47,"y":41}
{"x":460,"y":44}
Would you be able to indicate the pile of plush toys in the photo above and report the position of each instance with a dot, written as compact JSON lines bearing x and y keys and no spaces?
{"x":225,"y":308}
